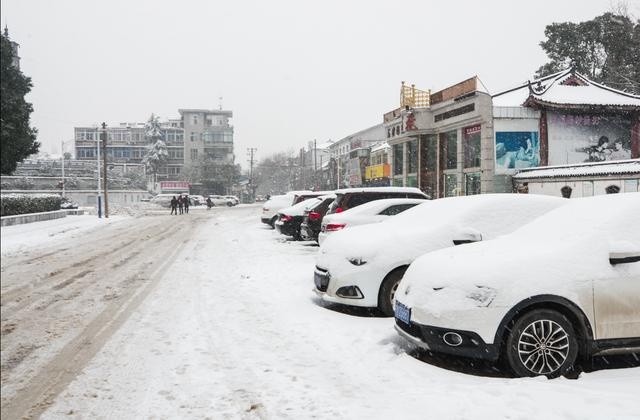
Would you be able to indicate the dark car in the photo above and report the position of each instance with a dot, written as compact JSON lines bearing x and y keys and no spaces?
{"x":312,"y":219}
{"x":300,"y":197}
{"x":289,"y":219}
{"x":349,"y":198}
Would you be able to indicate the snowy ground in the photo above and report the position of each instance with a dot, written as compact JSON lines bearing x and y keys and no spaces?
{"x":223,"y":324}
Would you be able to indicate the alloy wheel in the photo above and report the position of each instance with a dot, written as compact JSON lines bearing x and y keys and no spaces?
{"x":543,"y":346}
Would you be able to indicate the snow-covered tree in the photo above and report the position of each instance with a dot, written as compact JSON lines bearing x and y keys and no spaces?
{"x":157,"y":153}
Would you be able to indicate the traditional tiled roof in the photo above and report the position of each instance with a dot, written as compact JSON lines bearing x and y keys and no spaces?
{"x":566,"y":89}
{"x":618,"y":167}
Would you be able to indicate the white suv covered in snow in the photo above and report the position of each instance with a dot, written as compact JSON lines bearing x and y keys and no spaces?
{"x":363,"y":265}
{"x":566,"y":285}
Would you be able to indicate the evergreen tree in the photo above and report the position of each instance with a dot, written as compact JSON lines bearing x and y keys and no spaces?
{"x":17,"y":138}
{"x":605,"y":49}
{"x":157,"y":153}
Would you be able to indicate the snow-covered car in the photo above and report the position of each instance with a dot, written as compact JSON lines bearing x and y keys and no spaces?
{"x":290,"y":218}
{"x":197,"y":200}
{"x":271,"y":207}
{"x":363,"y":265}
{"x":567,"y":285}
{"x":235,"y":200}
{"x":221,"y":200}
{"x":164,"y":200}
{"x":372,"y":212}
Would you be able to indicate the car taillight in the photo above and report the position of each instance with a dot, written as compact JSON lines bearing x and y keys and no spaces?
{"x":332,"y":227}
{"x":339,"y":210}
{"x":314,"y":216}
{"x":285,"y":218}
{"x":265,"y":209}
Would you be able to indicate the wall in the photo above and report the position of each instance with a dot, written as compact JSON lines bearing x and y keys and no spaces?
{"x":582,"y":188}
{"x":88,"y":197}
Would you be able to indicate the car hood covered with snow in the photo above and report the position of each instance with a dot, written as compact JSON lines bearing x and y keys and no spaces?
{"x":551,"y":255}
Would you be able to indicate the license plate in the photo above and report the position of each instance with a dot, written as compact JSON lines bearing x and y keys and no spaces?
{"x":403,"y":313}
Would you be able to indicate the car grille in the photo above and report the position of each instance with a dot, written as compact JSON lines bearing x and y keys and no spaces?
{"x":321,"y":278}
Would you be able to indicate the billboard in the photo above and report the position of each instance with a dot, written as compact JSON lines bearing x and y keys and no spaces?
{"x":516,"y":150}
{"x":588,"y":138}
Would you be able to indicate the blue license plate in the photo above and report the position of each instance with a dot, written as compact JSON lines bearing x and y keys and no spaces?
{"x":403,"y":313}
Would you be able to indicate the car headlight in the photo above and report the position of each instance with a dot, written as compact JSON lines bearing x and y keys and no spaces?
{"x":482,"y":296}
{"x":357,"y":261}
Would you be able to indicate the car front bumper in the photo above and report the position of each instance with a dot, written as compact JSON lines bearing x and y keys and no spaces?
{"x":433,"y":339}
{"x":361,"y":277}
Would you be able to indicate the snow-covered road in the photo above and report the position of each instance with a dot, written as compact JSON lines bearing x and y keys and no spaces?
{"x":225,"y":325}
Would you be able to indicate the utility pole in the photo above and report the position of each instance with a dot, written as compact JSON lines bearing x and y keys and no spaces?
{"x":104,"y":170}
{"x":99,"y":203}
{"x":250,"y":152}
{"x":62,"y":159}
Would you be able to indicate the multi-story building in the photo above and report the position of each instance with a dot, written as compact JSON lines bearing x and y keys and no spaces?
{"x":349,"y":156}
{"x":127,"y":144}
{"x":198,"y":134}
{"x":207,"y":134}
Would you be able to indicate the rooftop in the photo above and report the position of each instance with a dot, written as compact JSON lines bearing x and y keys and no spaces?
{"x":616,"y":167}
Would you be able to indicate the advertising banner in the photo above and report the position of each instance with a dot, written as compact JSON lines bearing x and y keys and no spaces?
{"x":516,"y":150}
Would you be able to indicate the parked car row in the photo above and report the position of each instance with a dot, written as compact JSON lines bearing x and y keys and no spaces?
{"x":538,"y":282}
{"x":300,"y":214}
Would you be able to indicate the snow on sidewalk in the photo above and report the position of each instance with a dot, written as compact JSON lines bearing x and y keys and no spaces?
{"x":27,"y":236}
{"x":234,"y":331}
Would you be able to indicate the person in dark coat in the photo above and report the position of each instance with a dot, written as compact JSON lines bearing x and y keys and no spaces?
{"x":209,"y":203}
{"x":174,"y":205}
{"x":186,"y":203}
{"x":181,"y":204}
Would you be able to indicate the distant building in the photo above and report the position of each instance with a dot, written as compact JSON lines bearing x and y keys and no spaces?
{"x":349,"y":156}
{"x":207,"y":134}
{"x":195,"y":135}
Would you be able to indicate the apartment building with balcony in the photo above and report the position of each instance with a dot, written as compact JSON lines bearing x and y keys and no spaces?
{"x":208,"y":134}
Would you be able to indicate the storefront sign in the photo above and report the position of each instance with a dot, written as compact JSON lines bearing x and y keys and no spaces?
{"x":175,"y":185}
{"x":377,"y":171}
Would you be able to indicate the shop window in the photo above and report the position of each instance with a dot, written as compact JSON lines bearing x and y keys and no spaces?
{"x":450,"y":185}
{"x":566,"y":191}
{"x":449,"y":150}
{"x":398,"y":159}
{"x":429,"y":157}
{"x":471,"y":146}
{"x":412,"y":156}
{"x":612,"y":189}
{"x":472,"y":183}
{"x":412,"y":181}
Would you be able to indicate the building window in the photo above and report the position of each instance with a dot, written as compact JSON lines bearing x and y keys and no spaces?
{"x":450,"y":185}
{"x":194,"y":119}
{"x":472,"y":183}
{"x":612,"y":189}
{"x":471,"y":146}
{"x":412,"y":157}
{"x":193,"y":136}
{"x":429,"y":181}
{"x":398,"y":159}
{"x":194,"y":154}
{"x":449,"y":150}
{"x":566,"y":191}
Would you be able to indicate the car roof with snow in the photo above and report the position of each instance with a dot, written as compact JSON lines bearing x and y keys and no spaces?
{"x":299,"y":208}
{"x":411,"y":190}
{"x":376,"y":206}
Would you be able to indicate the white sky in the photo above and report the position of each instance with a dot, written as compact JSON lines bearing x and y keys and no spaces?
{"x":291,"y":71}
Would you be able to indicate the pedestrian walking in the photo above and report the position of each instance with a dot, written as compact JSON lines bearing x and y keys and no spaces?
{"x":209,"y":203}
{"x":181,"y":204}
{"x":174,"y":205}
{"x":186,"y":203}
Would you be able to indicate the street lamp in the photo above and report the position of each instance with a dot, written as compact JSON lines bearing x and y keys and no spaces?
{"x":62,"y":143}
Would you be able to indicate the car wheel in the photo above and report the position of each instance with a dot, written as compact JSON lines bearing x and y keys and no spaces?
{"x":386,"y":297}
{"x":273,"y":222}
{"x":229,"y":204}
{"x":542,"y":342}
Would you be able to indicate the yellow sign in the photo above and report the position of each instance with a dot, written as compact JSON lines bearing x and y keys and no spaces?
{"x":377,"y":171}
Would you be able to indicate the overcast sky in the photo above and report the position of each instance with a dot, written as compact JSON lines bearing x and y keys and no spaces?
{"x":291,"y":71}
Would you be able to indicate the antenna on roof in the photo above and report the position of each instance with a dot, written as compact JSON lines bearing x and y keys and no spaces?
{"x":220,"y":102}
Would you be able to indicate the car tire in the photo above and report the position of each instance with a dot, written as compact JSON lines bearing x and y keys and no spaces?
{"x":272,"y":222}
{"x":229,"y":204}
{"x":387,"y":290}
{"x":528,"y":352}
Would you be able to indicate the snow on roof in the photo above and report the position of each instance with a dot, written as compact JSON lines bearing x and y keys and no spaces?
{"x":380,"y":146}
{"x":618,"y":167}
{"x":552,"y":89}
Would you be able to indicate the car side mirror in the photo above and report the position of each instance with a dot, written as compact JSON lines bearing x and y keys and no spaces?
{"x":466,"y":236}
{"x":623,"y":252}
